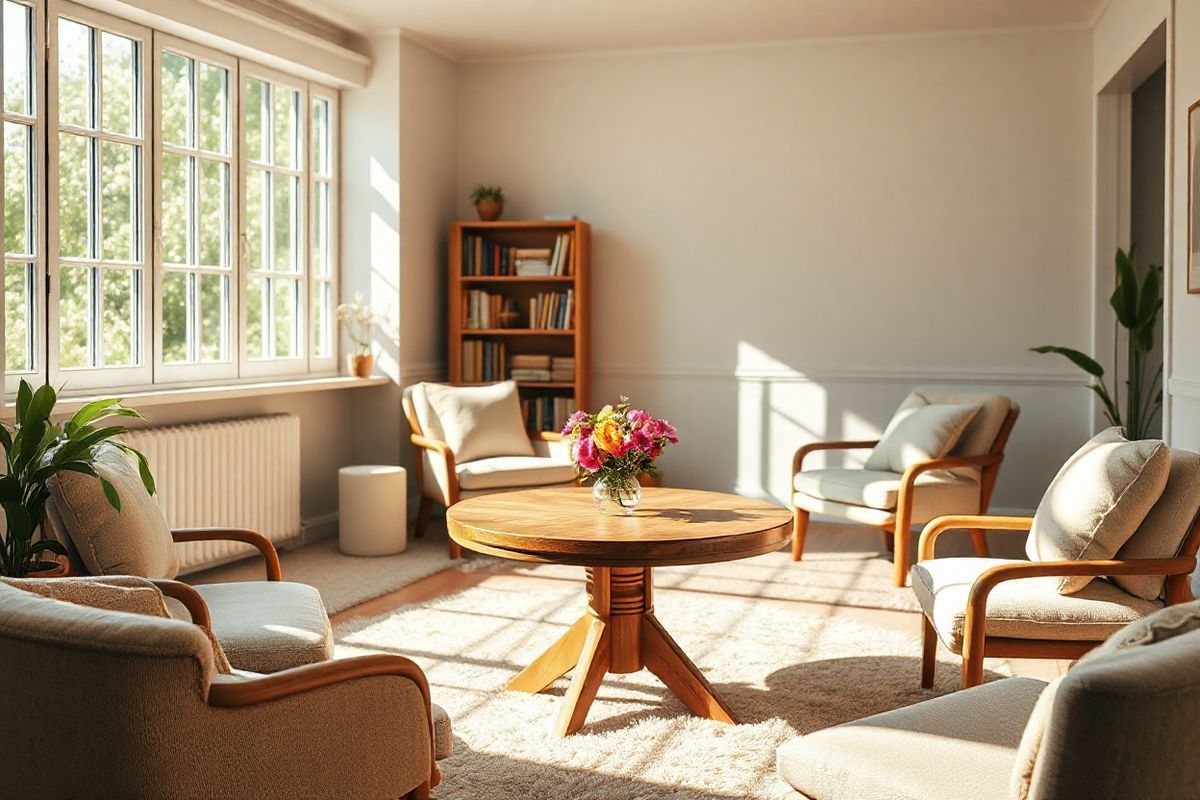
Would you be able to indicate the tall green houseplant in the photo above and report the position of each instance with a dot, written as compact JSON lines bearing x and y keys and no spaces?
{"x":36,"y":449}
{"x":1137,"y":305}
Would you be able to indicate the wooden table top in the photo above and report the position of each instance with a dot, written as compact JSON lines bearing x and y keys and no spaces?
{"x":671,"y":526}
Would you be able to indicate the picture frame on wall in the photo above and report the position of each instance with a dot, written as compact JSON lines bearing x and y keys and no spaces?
{"x":1193,"y":219}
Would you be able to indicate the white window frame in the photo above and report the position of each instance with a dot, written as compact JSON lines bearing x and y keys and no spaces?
{"x":98,"y":377}
{"x":297,"y":364}
{"x":326,"y":364}
{"x":37,"y":201}
{"x":172,"y":373}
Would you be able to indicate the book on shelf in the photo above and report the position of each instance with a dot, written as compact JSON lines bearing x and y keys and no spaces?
{"x":482,"y":362}
{"x":482,"y":258}
{"x":531,"y":361}
{"x":483,"y":310}
{"x":547,"y":412}
{"x":530,"y":375}
{"x":552,"y":311}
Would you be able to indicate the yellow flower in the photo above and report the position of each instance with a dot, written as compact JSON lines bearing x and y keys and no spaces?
{"x":605,"y":413}
{"x":607,"y":435}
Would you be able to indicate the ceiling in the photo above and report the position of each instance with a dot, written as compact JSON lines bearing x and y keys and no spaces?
{"x":471,"y":30}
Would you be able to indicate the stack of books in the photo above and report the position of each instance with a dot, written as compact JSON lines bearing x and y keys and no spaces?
{"x":562,"y":369}
{"x":483,"y":258}
{"x":482,"y":361}
{"x":547,"y":413}
{"x":553,"y":311}
{"x":532,"y":260}
{"x":484,"y":310}
{"x":530,"y":368}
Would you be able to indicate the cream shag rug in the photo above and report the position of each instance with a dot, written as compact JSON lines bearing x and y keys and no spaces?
{"x":785,"y":670}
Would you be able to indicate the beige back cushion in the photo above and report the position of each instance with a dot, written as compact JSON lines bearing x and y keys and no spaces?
{"x":979,"y":435}
{"x":920,"y":434}
{"x":426,"y":418}
{"x":1097,"y":500}
{"x":479,"y":421}
{"x":133,"y":541}
{"x":1166,"y":526}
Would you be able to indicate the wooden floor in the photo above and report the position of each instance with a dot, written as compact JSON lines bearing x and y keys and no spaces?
{"x":821,"y":536}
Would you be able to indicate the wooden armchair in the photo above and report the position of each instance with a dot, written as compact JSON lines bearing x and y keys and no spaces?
{"x":961,"y":483}
{"x":1038,"y":622}
{"x":443,"y":479}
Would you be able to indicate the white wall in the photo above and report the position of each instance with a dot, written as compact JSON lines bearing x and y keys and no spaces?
{"x":788,"y":237}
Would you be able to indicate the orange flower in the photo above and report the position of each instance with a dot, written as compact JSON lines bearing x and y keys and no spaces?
{"x":608,"y":437}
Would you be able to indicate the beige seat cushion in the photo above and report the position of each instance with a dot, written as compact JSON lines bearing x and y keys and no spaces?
{"x":874,"y":489}
{"x":1029,"y":608}
{"x":480,"y":421}
{"x":503,"y":472}
{"x":133,"y":541}
{"x":266,"y":626}
{"x":1165,"y":526}
{"x":1096,"y":501}
{"x":929,"y":751}
{"x":920,"y":434}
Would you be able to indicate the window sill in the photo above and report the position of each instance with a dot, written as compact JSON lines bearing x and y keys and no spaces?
{"x":142,"y":398}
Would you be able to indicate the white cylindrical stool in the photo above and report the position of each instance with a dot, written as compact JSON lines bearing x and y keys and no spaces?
{"x":372,"y":510}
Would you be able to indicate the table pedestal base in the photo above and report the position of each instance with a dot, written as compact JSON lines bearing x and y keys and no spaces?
{"x":618,"y":634}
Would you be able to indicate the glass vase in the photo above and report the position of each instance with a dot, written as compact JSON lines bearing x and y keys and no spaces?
{"x":617,"y":496}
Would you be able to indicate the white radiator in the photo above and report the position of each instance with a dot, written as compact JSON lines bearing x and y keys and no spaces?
{"x":241,"y":473}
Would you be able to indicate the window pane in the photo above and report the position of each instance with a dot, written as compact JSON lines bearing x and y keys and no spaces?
{"x":118,"y":193}
{"x":17,"y":37}
{"x":214,"y":108}
{"x":75,"y":305}
{"x":320,"y":229}
{"x":176,"y":197}
{"x":176,"y":105}
{"x":283,"y":122}
{"x":213,"y":312}
{"x":119,"y":84}
{"x":174,"y":316}
{"x":214,"y":213}
{"x":17,"y":139}
{"x":284,"y":310}
{"x":255,"y":339}
{"x":255,"y":122}
{"x":322,"y":319}
{"x":119,"y":288}
{"x":74,"y":70}
{"x":286,"y":221}
{"x":18,"y":297}
{"x":74,"y":195}
{"x":257,"y":222}
{"x":320,"y":136}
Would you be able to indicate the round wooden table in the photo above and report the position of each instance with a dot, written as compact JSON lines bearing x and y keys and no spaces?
{"x":619,"y":633}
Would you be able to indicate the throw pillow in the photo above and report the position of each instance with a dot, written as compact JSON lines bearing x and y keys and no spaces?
{"x":920,"y":434}
{"x":480,"y":421}
{"x":1096,"y":501}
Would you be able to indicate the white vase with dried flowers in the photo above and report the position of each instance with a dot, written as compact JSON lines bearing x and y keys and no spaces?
{"x":358,"y":318}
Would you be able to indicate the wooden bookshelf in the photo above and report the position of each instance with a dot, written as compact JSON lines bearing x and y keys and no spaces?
{"x":520,"y":338}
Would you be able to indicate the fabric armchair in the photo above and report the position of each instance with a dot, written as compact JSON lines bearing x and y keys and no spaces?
{"x":134,"y":707}
{"x":444,"y":477}
{"x":960,"y":482}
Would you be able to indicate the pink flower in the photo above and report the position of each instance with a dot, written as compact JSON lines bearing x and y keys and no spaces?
{"x":661,"y":429}
{"x":637,"y":418}
{"x":588,"y":455}
{"x":640,"y":440}
{"x":578,"y":418}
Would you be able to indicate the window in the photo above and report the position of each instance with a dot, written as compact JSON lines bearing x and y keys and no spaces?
{"x":170,"y":210}
{"x":24,"y":261}
{"x":97,"y":211}
{"x":196,"y":293}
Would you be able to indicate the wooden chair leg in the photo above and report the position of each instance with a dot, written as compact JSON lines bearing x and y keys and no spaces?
{"x":929,"y":643}
{"x":900,"y":555}
{"x":889,"y":540}
{"x":799,"y":528}
{"x":972,"y":666}
{"x":455,"y":550}
{"x":979,"y":540}
{"x":419,"y":793}
{"x":424,"y":510}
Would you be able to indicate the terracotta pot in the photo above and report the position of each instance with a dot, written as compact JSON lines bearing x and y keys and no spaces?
{"x":48,"y":569}
{"x":360,"y":365}
{"x":489,"y":210}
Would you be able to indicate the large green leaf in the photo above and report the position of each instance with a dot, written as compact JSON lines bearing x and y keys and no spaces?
{"x":24,"y":395}
{"x":42,"y":545}
{"x":10,"y":489}
{"x":1081,"y":360}
{"x":1124,"y":300}
{"x":20,"y":525}
{"x":89,"y":412}
{"x":110,"y":492}
{"x":42,"y":404}
{"x":143,"y":467}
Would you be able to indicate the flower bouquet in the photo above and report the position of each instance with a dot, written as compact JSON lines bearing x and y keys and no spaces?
{"x":614,"y":446}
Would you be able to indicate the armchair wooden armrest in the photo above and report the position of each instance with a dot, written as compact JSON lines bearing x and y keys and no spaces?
{"x":434,"y":446}
{"x":188,"y":597}
{"x":254,"y":538}
{"x":939,"y":525}
{"x":298,"y":680}
{"x":547,"y":436}
{"x":813,"y":447}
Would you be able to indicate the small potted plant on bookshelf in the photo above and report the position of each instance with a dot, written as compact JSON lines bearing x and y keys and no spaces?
{"x":489,"y":202}
{"x":35,"y":449}
{"x":358,"y":318}
{"x":615,"y":446}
